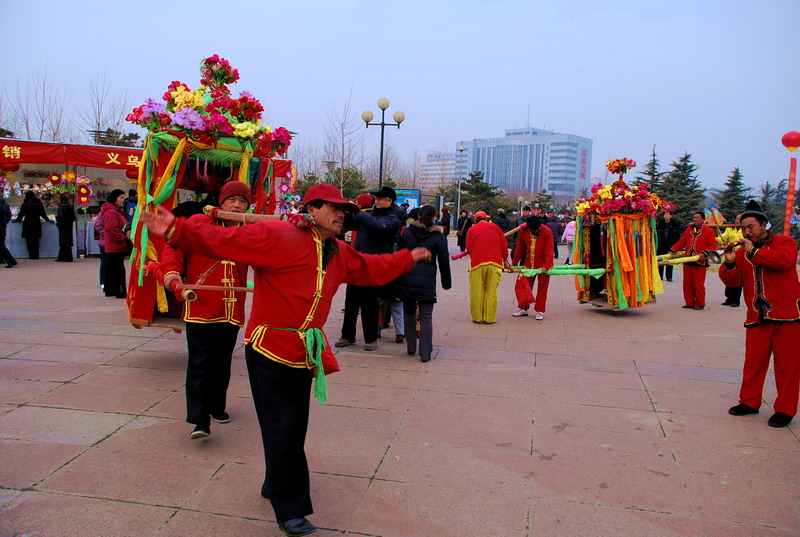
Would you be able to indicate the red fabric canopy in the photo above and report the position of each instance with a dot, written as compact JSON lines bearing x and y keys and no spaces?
{"x":94,"y":156}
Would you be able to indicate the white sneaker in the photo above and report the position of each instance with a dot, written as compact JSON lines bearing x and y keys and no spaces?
{"x":539,"y":315}
{"x":520,"y":313}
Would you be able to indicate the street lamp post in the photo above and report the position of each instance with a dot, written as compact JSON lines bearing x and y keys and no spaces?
{"x":398,"y":117}
{"x":458,"y":192}
{"x":520,"y":200}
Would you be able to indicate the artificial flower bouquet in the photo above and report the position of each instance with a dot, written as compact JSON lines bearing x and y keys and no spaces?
{"x":209,"y":113}
{"x":618,"y":197}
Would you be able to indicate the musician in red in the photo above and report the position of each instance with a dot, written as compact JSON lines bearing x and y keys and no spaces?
{"x":212,"y":320}
{"x":695,"y":240}
{"x":766,"y":266}
{"x":536,"y":238}
{"x":297,"y":270}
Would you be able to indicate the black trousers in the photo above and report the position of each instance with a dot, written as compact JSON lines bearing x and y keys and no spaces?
{"x":208,"y":372}
{"x":33,"y":247}
{"x":281,"y":396}
{"x":365,"y":299}
{"x":5,"y":255}
{"x":669,"y":269}
{"x":115,"y":275}
{"x":733,"y":295}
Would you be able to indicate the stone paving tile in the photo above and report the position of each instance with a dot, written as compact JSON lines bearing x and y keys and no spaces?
{"x":151,"y":360}
{"x":562,"y":416}
{"x":687,"y":372}
{"x":186,"y":522}
{"x":233,"y":490}
{"x":594,"y":396}
{"x":358,"y":422}
{"x":26,"y":337}
{"x":683,"y":386}
{"x":380,"y":377}
{"x":9,"y":349}
{"x":737,"y":430}
{"x":560,"y":375}
{"x":172,"y":406}
{"x":479,"y":355}
{"x":59,"y":515}
{"x":134,"y":376}
{"x":22,"y":391}
{"x":371,"y":397}
{"x":337,"y":499}
{"x":712,"y":405}
{"x":61,"y":353}
{"x":588,"y":363}
{"x":478,"y":385}
{"x":59,"y":425}
{"x":342,"y":454}
{"x":40,"y":460}
{"x":721,"y":528}
{"x":554,"y":517}
{"x":102,"y":398}
{"x":39,"y":370}
{"x":407,"y":510}
{"x":768,"y":504}
{"x":164,"y":479}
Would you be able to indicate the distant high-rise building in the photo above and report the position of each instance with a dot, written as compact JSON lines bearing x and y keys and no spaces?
{"x":530,"y":160}
{"x":433,"y":169}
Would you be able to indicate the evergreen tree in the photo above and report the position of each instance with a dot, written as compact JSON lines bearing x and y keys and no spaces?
{"x":730,"y":200}
{"x":305,"y":182}
{"x":650,"y":175}
{"x":773,"y":200}
{"x":680,"y":187}
{"x":543,"y":200}
{"x":475,"y":193}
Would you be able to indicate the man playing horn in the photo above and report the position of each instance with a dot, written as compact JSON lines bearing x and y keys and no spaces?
{"x":695,"y":240}
{"x":766,"y":266}
{"x":297,"y":270}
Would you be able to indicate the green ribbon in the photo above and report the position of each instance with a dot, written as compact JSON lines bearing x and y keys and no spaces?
{"x":315,"y":344}
{"x":564,"y":270}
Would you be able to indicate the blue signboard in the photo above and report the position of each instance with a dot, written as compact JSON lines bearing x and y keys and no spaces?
{"x":412,"y":196}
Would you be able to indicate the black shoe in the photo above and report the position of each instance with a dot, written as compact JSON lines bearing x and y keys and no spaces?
{"x":411,"y":353}
{"x":201,"y":431}
{"x":428,"y":359}
{"x":699,"y":307}
{"x":222,"y":417}
{"x":734,"y":304}
{"x":726,"y":303}
{"x":687,"y":307}
{"x":12,"y":264}
{"x":779,"y":419}
{"x":742,"y":410}
{"x":264,"y":492}
{"x":399,"y":338}
{"x":296,"y":527}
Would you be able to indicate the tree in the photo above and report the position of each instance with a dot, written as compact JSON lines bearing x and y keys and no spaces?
{"x":773,"y":201}
{"x":5,"y":133}
{"x":476,"y":194}
{"x":38,"y":112}
{"x":681,"y":188}
{"x":305,"y":182}
{"x":104,"y":117}
{"x":112,"y":137}
{"x":345,"y":139}
{"x":543,"y":200}
{"x":350,"y":181}
{"x":730,"y":200}
{"x":650,"y":175}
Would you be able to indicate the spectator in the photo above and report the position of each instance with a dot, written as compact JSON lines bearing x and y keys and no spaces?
{"x":115,"y":246}
{"x":131,"y":203}
{"x":417,"y":288}
{"x":502,"y":220}
{"x":569,"y":238}
{"x":446,"y":221}
{"x":464,"y":223}
{"x":555,"y":230}
{"x":31,"y":214}
{"x":668,"y":231}
{"x":65,"y":221}
{"x":5,"y":218}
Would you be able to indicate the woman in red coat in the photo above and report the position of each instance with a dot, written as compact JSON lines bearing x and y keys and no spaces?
{"x":695,"y":240}
{"x":114,"y":238}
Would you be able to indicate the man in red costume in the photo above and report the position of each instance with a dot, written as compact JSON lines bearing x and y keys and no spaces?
{"x":213,"y":320}
{"x":488,"y":253}
{"x":766,"y":265}
{"x":695,"y":240}
{"x":296,"y":272}
{"x":536,"y":238}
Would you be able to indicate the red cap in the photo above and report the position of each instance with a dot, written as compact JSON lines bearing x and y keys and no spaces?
{"x":364,"y":201}
{"x":480,"y":215}
{"x":330,"y":194}
{"x":234,"y":188}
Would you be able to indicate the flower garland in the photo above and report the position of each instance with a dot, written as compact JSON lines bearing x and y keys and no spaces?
{"x":210,"y":112}
{"x":620,"y":166}
{"x":618,"y":197}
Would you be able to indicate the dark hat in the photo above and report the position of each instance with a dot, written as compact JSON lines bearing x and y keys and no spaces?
{"x":116,"y":193}
{"x":64,"y":198}
{"x":385,"y":192}
{"x":753,"y":210}
{"x":364,"y":201}
{"x":235,"y":188}
{"x":329,"y":194}
{"x":526,"y":208}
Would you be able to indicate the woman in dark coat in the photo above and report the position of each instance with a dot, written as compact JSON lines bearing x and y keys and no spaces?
{"x":30,"y":212}
{"x":114,"y":239}
{"x":668,"y":232}
{"x":417,"y":289}
{"x":65,"y":219}
{"x":464,"y":223}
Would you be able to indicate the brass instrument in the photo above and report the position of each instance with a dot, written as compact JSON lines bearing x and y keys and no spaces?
{"x":677,"y":258}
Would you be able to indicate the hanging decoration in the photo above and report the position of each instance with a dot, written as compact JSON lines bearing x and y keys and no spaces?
{"x":83,"y":191}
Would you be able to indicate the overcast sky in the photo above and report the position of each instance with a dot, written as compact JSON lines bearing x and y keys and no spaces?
{"x":719,"y":79}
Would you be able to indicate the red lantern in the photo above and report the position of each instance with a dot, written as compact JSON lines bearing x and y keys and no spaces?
{"x":9,"y":166}
{"x":791,"y":140}
{"x":132,"y":174}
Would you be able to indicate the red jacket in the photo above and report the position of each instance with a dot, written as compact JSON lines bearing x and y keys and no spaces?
{"x":769,"y":277}
{"x":292,"y":290}
{"x":486,"y":243}
{"x":542,"y":248}
{"x":210,"y":306}
{"x":113,"y":222}
{"x":695,"y":244}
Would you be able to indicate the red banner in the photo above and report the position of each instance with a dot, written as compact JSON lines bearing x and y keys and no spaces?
{"x":94,"y":156}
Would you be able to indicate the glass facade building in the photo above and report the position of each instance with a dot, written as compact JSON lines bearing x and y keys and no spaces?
{"x":530,"y":160}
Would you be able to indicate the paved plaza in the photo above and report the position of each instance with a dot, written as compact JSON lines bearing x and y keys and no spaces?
{"x":588,"y":423}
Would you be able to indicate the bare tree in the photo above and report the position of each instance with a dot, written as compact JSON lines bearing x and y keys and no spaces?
{"x":102,"y":111}
{"x":37,"y":111}
{"x":344,"y":140}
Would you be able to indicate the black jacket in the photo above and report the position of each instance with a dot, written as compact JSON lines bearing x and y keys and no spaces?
{"x":502,"y":220}
{"x":29,"y":214}
{"x":420,"y":283}
{"x":377,"y":230}
{"x":668,"y":234}
{"x":65,"y":218}
{"x":5,"y":216}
